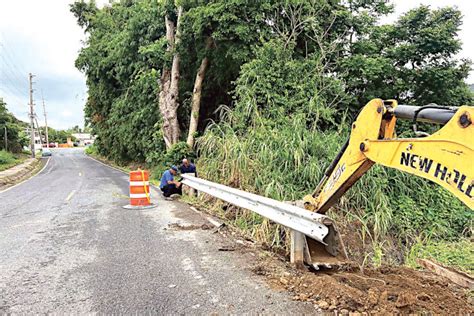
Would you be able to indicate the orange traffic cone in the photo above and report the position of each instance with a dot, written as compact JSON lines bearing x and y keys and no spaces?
{"x":139,"y":190}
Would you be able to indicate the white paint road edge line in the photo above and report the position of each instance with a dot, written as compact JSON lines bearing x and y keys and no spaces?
{"x":112,"y":167}
{"x":28,"y":179}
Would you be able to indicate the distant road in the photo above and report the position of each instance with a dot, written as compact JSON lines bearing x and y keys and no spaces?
{"x":67,"y":245}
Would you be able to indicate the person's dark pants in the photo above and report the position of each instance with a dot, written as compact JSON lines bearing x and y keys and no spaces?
{"x":170,"y":189}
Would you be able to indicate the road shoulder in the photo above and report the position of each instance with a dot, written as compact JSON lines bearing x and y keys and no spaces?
{"x":20,"y":173}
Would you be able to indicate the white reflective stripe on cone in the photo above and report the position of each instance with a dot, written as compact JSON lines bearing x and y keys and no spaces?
{"x":139,"y":183}
{"x":137,"y":195}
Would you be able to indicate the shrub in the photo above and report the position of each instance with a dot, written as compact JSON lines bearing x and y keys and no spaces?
{"x":92,"y":150}
{"x":7,"y":157}
{"x":173,"y":156}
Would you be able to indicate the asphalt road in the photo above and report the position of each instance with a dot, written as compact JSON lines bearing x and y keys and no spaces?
{"x":67,"y":245}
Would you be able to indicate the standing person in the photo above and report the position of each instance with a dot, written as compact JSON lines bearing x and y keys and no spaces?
{"x":187,"y":167}
{"x":168,"y":184}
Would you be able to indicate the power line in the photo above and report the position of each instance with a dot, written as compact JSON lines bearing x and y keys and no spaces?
{"x":13,"y":78}
{"x":12,"y":97}
{"x":8,"y":55}
{"x":15,"y":72}
{"x":11,"y":75}
{"x":9,"y":78}
{"x":13,"y":88}
{"x":11,"y":84}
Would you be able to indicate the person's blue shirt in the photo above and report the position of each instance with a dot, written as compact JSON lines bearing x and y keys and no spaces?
{"x":167,"y":176}
{"x":191,"y":168}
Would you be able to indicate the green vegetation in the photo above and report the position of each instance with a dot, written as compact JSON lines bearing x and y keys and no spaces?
{"x":92,"y":150}
{"x":277,"y":152}
{"x":8,"y":159}
{"x":273,"y":87}
{"x":16,"y":137}
{"x":60,"y":136}
{"x":457,"y":254}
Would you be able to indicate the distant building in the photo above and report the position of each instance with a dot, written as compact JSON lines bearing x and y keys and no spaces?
{"x":38,"y":142}
{"x":84,"y":138}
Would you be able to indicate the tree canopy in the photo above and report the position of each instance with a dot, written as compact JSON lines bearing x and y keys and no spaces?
{"x":130,"y":53}
{"x":14,"y":128}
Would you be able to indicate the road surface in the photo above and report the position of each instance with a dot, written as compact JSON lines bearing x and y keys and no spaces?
{"x":67,"y":245}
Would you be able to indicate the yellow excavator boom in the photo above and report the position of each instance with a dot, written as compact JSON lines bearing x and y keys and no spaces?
{"x":446,"y":157}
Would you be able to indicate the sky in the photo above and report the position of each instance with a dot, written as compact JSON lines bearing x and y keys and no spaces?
{"x":42,"y":37}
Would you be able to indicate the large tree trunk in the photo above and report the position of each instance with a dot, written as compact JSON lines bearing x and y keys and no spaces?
{"x":196,"y":99}
{"x":169,"y":83}
{"x":164,"y":88}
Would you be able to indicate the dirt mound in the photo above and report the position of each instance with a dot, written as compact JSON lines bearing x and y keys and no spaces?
{"x":383,"y":290}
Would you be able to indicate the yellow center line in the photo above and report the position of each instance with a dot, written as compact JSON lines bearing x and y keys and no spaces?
{"x":70,"y":195}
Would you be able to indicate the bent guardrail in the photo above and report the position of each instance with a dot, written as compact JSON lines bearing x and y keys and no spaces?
{"x":302,"y":222}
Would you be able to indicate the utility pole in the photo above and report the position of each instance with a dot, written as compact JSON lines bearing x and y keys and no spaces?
{"x":32,"y":117}
{"x":45,"y":121}
{"x":39,"y":131}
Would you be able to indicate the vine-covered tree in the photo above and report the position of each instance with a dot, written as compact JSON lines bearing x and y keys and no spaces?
{"x":157,"y":71}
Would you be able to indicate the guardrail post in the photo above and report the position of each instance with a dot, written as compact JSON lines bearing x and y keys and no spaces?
{"x":297,"y":248}
{"x":191,"y":190}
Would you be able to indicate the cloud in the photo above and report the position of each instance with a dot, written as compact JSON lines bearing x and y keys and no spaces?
{"x":42,"y":37}
{"x":66,"y":113}
{"x":44,"y":41}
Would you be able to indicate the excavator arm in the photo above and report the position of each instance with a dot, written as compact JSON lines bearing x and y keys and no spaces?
{"x":445,"y":157}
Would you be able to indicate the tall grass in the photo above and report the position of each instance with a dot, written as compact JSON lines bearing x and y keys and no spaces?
{"x":286,"y":163}
{"x":281,"y":136}
{"x":268,"y":161}
{"x":458,"y":254}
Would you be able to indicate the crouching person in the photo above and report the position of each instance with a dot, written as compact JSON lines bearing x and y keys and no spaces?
{"x":168,"y":184}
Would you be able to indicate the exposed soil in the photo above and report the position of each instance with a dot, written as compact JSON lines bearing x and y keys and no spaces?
{"x":389,"y":289}
{"x":384,"y":290}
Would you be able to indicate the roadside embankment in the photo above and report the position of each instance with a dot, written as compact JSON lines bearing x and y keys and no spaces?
{"x":20,"y":172}
{"x":9,"y":159}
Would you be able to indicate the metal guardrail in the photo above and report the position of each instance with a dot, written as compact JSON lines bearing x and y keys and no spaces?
{"x":298,"y":219}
